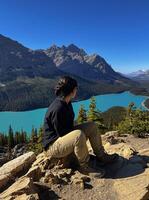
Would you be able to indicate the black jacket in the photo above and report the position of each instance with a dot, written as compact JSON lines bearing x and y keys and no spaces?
{"x":58,"y":121}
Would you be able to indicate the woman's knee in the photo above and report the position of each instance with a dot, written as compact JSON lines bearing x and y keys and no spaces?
{"x":94,"y":125}
{"x":80,"y":135}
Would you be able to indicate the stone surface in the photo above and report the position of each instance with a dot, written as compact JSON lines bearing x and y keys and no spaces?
{"x":44,"y":162}
{"x":145,"y":154}
{"x":112,"y":137}
{"x":10,"y":170}
{"x":133,"y":188}
{"x":125,"y":179}
{"x":34,"y":173}
{"x":24,"y":186}
{"x":122,"y":149}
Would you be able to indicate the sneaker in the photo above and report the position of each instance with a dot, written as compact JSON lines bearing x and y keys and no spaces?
{"x":90,"y":171}
{"x":108,"y":158}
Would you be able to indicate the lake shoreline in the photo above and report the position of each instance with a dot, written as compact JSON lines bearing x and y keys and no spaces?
{"x":75,"y":101}
{"x":34,"y":118}
{"x":143,"y":104}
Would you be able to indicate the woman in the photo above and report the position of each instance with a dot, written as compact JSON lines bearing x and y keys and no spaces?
{"x":61,"y":137}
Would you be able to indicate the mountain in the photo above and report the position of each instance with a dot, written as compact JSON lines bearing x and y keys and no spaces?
{"x":139,"y":75}
{"x":28,"y":77}
{"x":17,"y":60}
{"x":74,"y":60}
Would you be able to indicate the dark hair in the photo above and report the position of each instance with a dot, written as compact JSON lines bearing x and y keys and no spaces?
{"x":65,"y":86}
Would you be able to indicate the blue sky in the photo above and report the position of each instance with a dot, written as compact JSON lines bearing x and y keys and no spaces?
{"x":118,"y":30}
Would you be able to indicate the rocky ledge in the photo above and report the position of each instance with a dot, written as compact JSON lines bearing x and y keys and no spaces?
{"x":30,"y":177}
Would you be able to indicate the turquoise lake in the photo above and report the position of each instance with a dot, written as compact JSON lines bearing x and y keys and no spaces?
{"x":26,"y":119}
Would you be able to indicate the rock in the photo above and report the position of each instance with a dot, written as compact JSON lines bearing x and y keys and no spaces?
{"x":57,"y":176}
{"x":3,"y":155}
{"x":144,"y":153}
{"x":44,"y":162}
{"x":39,"y":159}
{"x":81,"y":176}
{"x":138,"y":159}
{"x":27,"y":197}
{"x":15,"y":167}
{"x":115,"y":167}
{"x":107,"y":145}
{"x":18,"y":150}
{"x":127,"y":178}
{"x":111,"y":133}
{"x":64,"y":173}
{"x":51,"y":178}
{"x":122,"y":149}
{"x":34,"y":173}
{"x":112,"y":137}
{"x":21,"y":188}
{"x":135,"y":187}
{"x":79,"y":182}
{"x":80,"y":179}
{"x":129,"y":170}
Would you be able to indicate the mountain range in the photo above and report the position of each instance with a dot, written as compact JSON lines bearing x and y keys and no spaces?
{"x":139,"y":75}
{"x":28,"y":77}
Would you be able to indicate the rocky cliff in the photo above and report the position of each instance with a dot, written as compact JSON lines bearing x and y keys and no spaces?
{"x":41,"y":177}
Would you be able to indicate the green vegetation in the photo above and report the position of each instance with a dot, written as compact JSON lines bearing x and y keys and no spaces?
{"x":33,"y":141}
{"x":11,"y":139}
{"x":113,"y":116}
{"x":93,"y":114}
{"x":82,"y":116}
{"x":38,"y":92}
{"x":129,"y":120}
{"x":136,"y":122}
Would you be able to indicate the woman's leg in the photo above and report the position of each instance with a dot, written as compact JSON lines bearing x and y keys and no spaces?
{"x":74,"y":141}
{"x":90,"y":130}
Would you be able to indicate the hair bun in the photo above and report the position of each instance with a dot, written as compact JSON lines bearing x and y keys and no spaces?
{"x":65,"y":85}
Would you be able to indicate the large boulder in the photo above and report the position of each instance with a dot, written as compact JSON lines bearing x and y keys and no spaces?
{"x":10,"y":170}
{"x":123,"y":149}
{"x":22,"y":189}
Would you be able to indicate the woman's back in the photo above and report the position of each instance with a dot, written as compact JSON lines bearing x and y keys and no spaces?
{"x":58,"y":120}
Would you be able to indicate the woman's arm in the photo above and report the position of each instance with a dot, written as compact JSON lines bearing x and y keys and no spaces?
{"x":59,"y":121}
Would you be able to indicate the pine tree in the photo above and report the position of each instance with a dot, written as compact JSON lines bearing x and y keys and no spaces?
{"x":40,"y":136}
{"x":34,"y":135}
{"x":1,"y":139}
{"x":36,"y":140}
{"x":16,"y":138}
{"x":137,"y":123}
{"x":10,"y":137}
{"x":110,"y":123}
{"x":82,"y":116}
{"x":94,"y":114}
{"x":23,"y":136}
{"x":92,"y":109}
{"x":129,"y":109}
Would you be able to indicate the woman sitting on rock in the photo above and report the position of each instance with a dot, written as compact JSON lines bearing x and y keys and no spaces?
{"x":62,"y":138}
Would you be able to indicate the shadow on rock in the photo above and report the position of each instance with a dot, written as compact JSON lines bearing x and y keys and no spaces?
{"x":45,"y":193}
{"x":124,"y":168}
